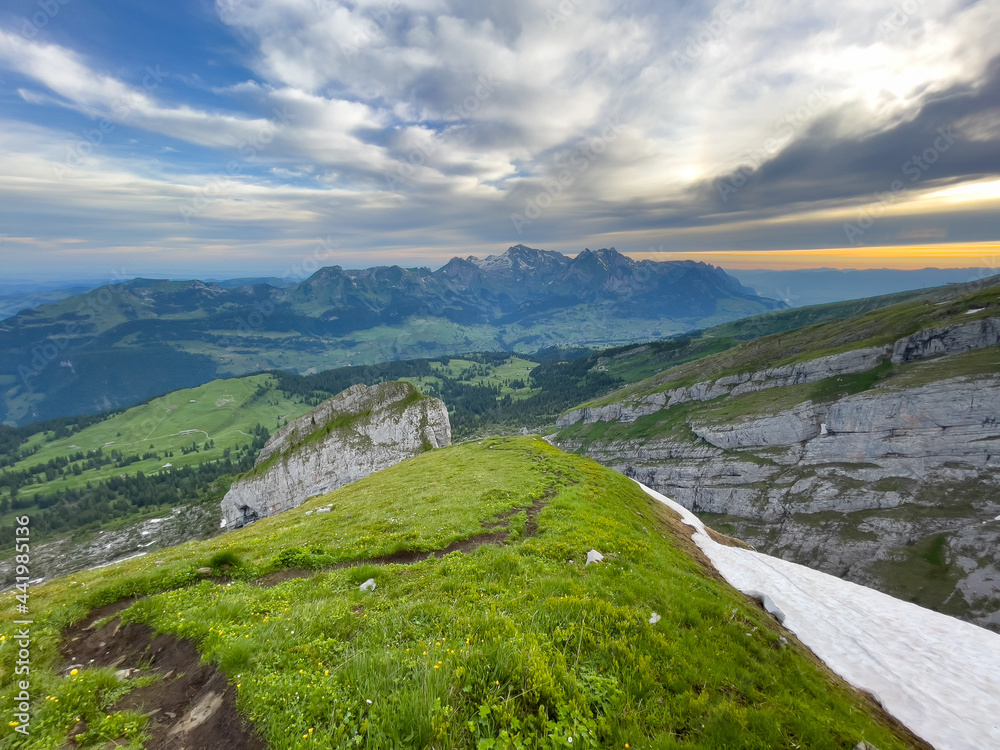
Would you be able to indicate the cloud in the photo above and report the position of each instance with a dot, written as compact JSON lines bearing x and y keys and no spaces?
{"x":431,"y":123}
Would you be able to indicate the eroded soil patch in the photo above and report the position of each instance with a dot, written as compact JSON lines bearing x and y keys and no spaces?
{"x":191,"y":706}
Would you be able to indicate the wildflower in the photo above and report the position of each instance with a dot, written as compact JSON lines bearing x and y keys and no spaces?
{"x":74,"y":673}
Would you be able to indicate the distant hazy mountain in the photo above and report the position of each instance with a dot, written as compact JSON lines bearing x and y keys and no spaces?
{"x":15,"y":300}
{"x":819,"y":286}
{"x":121,"y":343}
{"x":275,"y":281}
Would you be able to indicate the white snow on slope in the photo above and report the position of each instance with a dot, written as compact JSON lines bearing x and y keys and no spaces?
{"x":937,"y":675}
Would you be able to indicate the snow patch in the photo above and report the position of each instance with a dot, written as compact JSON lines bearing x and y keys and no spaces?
{"x":937,"y":675}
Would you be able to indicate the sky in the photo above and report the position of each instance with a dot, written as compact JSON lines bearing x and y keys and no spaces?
{"x":263,"y":137}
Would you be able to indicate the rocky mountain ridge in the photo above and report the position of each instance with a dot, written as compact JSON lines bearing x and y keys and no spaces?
{"x":122,"y":343}
{"x":894,"y":486}
{"x":356,"y":433}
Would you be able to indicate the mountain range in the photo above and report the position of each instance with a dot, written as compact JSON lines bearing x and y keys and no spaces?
{"x":121,"y":343}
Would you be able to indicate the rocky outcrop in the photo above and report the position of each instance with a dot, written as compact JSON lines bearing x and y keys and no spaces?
{"x":69,"y":555}
{"x":356,"y":433}
{"x":866,"y":487}
{"x":935,"y":342}
{"x":810,"y":371}
{"x":953,"y":339}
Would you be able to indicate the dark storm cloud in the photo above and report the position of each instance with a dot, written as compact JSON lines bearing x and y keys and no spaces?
{"x":943,"y":141}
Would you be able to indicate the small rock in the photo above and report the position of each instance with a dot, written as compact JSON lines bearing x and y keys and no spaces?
{"x":123,"y":674}
{"x":654,"y":619}
{"x":782,"y":640}
{"x":593,"y":557}
{"x":368,"y":585}
{"x":769,"y":606}
{"x":204,"y":571}
{"x":865,"y":746}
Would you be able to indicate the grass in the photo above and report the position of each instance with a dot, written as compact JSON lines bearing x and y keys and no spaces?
{"x":924,"y":575}
{"x":223,"y":411}
{"x":844,"y":332}
{"x":978,"y":362}
{"x":514,"y":646}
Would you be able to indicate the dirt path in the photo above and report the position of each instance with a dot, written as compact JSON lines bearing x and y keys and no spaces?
{"x":192,"y":707}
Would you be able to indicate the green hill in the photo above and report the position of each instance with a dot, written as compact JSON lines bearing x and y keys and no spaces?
{"x":486,"y":628}
{"x":166,"y":452}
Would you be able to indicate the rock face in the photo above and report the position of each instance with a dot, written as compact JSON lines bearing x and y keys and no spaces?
{"x":65,"y":556}
{"x":356,"y":433}
{"x":949,"y":340}
{"x":811,"y":371}
{"x":895,"y":487}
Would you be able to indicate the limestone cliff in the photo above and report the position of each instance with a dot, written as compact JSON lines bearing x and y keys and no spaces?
{"x":356,"y":433}
{"x":896,"y":486}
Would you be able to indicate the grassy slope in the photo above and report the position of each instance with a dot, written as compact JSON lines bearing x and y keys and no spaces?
{"x":223,"y":411}
{"x":518,"y":646}
{"x":874,"y":328}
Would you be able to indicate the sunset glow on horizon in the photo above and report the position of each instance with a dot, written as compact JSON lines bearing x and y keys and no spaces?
{"x":904,"y":257}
